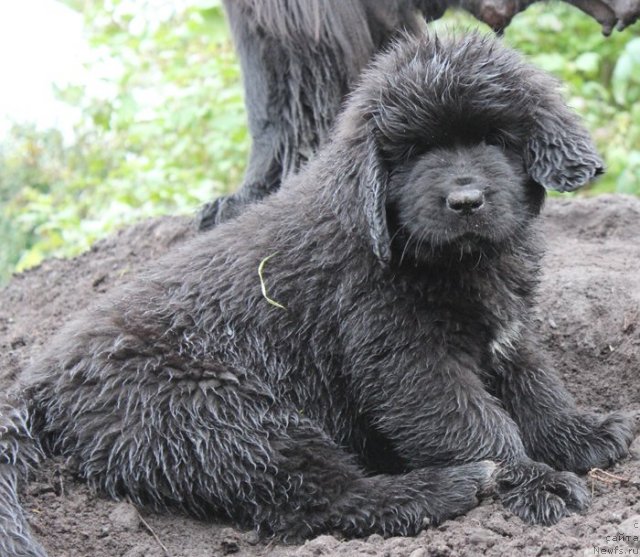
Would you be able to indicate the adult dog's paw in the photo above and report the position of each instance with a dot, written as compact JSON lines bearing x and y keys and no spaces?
{"x":221,"y":209}
{"x":540,"y":495}
{"x":591,"y":441}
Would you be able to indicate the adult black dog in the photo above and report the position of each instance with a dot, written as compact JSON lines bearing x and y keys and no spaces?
{"x":356,"y":352}
{"x":300,"y":58}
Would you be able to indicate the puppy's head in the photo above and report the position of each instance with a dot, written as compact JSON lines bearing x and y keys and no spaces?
{"x":461,"y":198}
{"x":456,"y":140}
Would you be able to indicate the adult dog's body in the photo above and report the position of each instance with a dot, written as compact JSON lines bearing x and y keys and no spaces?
{"x":301,"y":57}
{"x":356,"y":353}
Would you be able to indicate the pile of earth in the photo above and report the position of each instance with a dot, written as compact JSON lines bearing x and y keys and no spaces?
{"x":589,"y":318}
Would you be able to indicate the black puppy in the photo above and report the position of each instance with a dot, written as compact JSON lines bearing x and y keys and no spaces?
{"x":356,"y":353}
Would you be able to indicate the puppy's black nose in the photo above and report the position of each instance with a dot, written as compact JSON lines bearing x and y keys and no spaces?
{"x":466,"y":201}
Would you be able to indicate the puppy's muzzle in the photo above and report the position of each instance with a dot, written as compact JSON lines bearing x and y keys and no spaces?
{"x":465,"y":201}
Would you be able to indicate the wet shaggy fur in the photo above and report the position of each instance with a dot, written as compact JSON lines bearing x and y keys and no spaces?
{"x":356,"y":353}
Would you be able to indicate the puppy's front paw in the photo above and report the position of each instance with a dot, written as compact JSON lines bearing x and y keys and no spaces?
{"x":540,"y":495}
{"x":591,"y":441}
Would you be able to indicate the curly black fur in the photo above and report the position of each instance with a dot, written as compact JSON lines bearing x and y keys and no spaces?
{"x":355,"y":353}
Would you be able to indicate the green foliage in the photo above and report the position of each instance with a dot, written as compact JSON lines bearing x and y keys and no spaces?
{"x":164,"y":131}
{"x":162,"y":128}
{"x":31,"y":164}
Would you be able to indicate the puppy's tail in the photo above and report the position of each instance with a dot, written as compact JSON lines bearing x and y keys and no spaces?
{"x":19,"y":453}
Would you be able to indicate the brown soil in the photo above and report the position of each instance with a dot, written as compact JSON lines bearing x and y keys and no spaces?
{"x":589,"y":318}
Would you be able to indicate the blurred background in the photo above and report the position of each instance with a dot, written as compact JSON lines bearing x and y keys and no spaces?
{"x":113,"y":111}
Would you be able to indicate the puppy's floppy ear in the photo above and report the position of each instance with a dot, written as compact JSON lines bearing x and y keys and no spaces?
{"x":560,"y":154}
{"x":373,"y":186}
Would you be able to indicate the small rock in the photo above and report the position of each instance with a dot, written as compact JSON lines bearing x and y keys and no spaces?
{"x":137,"y":551}
{"x":252,"y":538}
{"x":322,"y":545}
{"x":482,"y":537}
{"x":229,"y":541}
{"x":615,"y":517}
{"x":420,"y":552}
{"x":125,"y":516}
{"x":323,"y":540}
{"x":375,"y":539}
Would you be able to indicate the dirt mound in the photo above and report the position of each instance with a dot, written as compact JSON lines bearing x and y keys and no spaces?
{"x":589,"y":316}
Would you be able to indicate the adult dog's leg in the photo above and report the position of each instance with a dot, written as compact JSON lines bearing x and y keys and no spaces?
{"x":263,"y":60}
{"x":262,"y":177}
{"x":296,"y":72}
{"x":553,"y":429}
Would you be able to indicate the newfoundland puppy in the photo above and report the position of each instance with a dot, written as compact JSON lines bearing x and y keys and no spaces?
{"x":356,"y":354}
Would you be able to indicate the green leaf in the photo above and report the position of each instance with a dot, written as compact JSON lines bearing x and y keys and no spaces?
{"x":588,"y":63}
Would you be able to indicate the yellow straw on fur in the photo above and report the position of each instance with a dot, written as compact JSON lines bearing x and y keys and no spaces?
{"x":263,"y":285}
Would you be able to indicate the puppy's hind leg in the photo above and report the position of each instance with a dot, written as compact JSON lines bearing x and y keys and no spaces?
{"x":323,"y":490}
{"x":223,"y":447}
